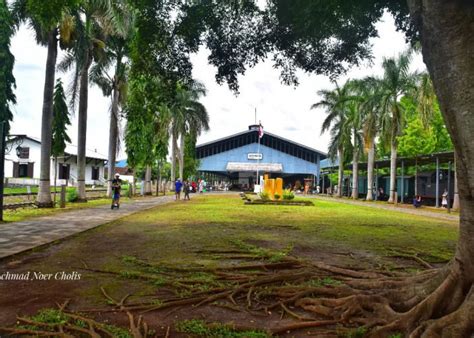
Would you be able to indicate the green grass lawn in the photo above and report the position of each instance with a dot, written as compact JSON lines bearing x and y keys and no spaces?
{"x":358,"y":227}
{"x":20,"y":214}
{"x":168,"y":252}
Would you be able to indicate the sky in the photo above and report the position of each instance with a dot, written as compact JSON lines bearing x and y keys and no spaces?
{"x":283,"y":110}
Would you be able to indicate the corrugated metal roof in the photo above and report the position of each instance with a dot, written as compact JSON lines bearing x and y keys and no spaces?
{"x":265,"y":132}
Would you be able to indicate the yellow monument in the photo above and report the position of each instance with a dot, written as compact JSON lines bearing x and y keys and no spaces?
{"x":279,"y":187}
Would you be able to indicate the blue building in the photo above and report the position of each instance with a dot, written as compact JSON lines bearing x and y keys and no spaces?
{"x":237,"y":158}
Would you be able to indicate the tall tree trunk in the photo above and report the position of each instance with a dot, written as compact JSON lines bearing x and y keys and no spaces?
{"x":113,"y":135}
{"x":148,"y":180}
{"x":446,"y":31}
{"x":355,"y":175}
{"x":181,"y":157}
{"x":370,"y":170}
{"x":456,"y":193}
{"x":173,"y":156}
{"x":55,"y":177}
{"x":44,"y":191}
{"x":158,"y":179}
{"x":82,"y":127}
{"x":340,"y":173}
{"x":393,"y":173}
{"x":134,"y":182}
{"x":416,"y":177}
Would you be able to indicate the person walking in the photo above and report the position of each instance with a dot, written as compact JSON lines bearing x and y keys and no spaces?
{"x":177,"y":188}
{"x":444,"y":200}
{"x":201,"y":186}
{"x":187,"y":188}
{"x":116,"y":187}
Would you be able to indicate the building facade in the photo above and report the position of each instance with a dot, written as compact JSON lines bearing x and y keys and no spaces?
{"x":237,"y":159}
{"x":23,"y":158}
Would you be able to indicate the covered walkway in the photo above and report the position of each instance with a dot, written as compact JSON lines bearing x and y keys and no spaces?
{"x":407,"y":186}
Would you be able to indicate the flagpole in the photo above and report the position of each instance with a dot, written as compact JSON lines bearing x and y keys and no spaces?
{"x":258,"y":156}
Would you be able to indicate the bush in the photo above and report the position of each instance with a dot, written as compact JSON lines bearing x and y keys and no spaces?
{"x":72,"y":195}
{"x":264,"y":196}
{"x":288,"y":195}
{"x":277,"y":196}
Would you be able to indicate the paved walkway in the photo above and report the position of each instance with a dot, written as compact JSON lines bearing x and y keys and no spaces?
{"x":423,"y":211}
{"x":20,"y":236}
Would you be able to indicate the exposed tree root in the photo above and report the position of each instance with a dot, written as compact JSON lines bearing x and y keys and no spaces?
{"x":432,"y":303}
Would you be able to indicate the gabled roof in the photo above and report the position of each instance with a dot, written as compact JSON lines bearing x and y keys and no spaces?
{"x":250,"y":136}
{"x":17,"y":136}
{"x":265,"y":133}
{"x":71,"y":149}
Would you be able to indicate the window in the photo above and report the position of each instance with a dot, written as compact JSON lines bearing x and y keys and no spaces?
{"x":24,"y":152}
{"x":95,"y":173}
{"x":23,"y":170}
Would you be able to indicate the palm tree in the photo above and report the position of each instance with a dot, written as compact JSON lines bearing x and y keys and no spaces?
{"x":94,"y":21}
{"x":366,"y":94}
{"x":189,"y":117}
{"x":354,"y":123}
{"x":396,"y":82}
{"x":48,"y":19}
{"x":335,"y":102}
{"x":114,"y":86}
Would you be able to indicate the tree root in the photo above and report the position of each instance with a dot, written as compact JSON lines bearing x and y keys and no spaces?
{"x":431,"y":303}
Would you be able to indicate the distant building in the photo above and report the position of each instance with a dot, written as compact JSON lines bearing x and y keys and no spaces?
{"x":236,"y":158}
{"x":23,"y":157}
{"x":122,"y":168}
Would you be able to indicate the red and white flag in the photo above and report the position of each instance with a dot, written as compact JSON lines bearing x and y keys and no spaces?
{"x":260,"y":131}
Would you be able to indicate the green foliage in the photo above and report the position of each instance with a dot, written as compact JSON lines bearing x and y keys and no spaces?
{"x":72,"y":195}
{"x":264,"y":196}
{"x":416,"y":139}
{"x":276,"y":196}
{"x":60,"y":121}
{"x":357,"y":333}
{"x":47,"y":14}
{"x":7,"y":60}
{"x":146,"y":134}
{"x":420,"y":137}
{"x":199,"y":327}
{"x":288,"y":194}
{"x":50,"y":316}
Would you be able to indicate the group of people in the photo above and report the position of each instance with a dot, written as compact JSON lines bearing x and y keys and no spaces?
{"x":444,"y":200}
{"x":187,"y":187}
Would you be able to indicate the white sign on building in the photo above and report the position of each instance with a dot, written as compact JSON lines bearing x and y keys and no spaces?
{"x":254,"y":156}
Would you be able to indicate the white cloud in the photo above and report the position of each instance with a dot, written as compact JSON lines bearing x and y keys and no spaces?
{"x":283,"y":110}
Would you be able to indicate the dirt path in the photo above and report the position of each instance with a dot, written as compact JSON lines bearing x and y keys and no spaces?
{"x":17,"y":237}
{"x":419,"y":212}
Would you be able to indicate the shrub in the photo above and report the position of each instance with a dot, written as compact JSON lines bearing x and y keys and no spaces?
{"x":264,"y":195}
{"x":277,"y":196}
{"x":72,"y":195}
{"x":288,"y":195}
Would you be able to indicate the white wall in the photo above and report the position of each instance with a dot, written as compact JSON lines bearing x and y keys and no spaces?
{"x":34,"y":156}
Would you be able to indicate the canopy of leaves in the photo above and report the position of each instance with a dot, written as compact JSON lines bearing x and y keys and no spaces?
{"x":319,"y":36}
{"x":60,"y":121}
{"x":7,"y":80}
{"x":146,"y":134}
{"x":418,"y":138}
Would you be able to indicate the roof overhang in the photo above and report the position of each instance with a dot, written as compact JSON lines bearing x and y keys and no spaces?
{"x":243,"y":166}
